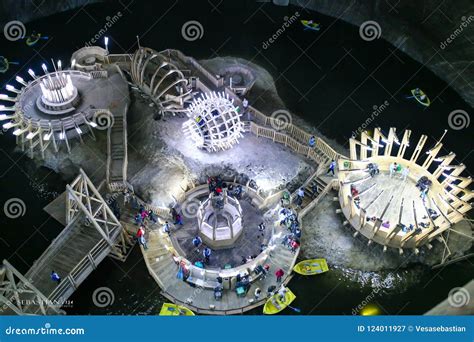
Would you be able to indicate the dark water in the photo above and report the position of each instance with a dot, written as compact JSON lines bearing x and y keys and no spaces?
{"x":333,"y":85}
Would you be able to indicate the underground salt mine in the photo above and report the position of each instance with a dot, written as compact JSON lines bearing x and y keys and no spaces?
{"x":190,"y":158}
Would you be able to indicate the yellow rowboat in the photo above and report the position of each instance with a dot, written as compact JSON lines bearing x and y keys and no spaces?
{"x":310,"y":25}
{"x":169,"y":309}
{"x":275,"y":305}
{"x":311,"y":267}
{"x":421,"y":97}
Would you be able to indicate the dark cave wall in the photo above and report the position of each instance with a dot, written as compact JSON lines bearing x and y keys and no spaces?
{"x":421,"y":29}
{"x":418,"y":27}
{"x":28,"y":10}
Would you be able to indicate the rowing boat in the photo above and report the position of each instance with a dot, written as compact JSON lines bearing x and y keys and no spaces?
{"x":311,"y":267}
{"x":421,"y":97}
{"x":311,"y":25}
{"x":169,"y":309}
{"x":275,"y":305}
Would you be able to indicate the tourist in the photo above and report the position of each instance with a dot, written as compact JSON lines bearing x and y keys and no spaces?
{"x":142,"y":242}
{"x":144,"y":214}
{"x":126,"y":196}
{"x":332,"y":167}
{"x":261,"y":227}
{"x":197,"y":241}
{"x":393,"y":168}
{"x":423,"y":194}
{"x":279,"y":274}
{"x":138,"y":219}
{"x":207,"y":254}
{"x":152,"y":216}
{"x":294,"y":246}
{"x":314,"y":190}
{"x":282,"y":293}
{"x":218,"y":292}
{"x":301,"y":192}
{"x":166,"y":228}
{"x":405,"y":173}
{"x":257,"y":293}
{"x":140,"y":232}
{"x":116,"y":211}
{"x":55,"y":277}
{"x":178,"y":220}
{"x":312,"y":141}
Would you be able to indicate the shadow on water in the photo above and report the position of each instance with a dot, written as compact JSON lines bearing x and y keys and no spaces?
{"x":332,"y":79}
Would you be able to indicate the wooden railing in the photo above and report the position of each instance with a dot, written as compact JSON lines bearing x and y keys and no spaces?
{"x":294,"y":132}
{"x":323,"y":193}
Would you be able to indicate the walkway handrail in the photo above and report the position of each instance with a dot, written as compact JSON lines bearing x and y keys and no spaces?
{"x":313,"y":203}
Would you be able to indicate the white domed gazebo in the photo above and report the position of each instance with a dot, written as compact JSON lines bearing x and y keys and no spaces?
{"x":388,"y":207}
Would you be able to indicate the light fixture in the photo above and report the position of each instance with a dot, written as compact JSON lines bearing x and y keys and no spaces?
{"x":73,"y":63}
{"x":5,"y":97}
{"x":32,"y":73}
{"x":6,"y":117}
{"x":45,"y":69}
{"x":20,"y":80}
{"x":59,"y":65}
{"x":12,"y":89}
{"x":78,"y":130}
{"x":62,"y":135}
{"x":9,"y":125}
{"x":19,"y":131}
{"x":47,"y":136}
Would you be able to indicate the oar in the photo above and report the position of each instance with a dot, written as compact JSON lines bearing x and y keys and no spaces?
{"x":294,"y":309}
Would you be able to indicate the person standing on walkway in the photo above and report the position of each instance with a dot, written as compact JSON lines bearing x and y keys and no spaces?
{"x":207,"y":254}
{"x":405,"y":173}
{"x":279,"y":274}
{"x":257,"y":293}
{"x":166,"y":228}
{"x":197,"y":242}
{"x":392,"y":169}
{"x":332,"y":167}
{"x":312,"y":141}
{"x":55,"y":277}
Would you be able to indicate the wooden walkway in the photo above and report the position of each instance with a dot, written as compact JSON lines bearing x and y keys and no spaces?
{"x":163,"y":268}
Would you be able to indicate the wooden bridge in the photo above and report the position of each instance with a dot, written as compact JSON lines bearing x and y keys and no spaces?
{"x":92,"y":232}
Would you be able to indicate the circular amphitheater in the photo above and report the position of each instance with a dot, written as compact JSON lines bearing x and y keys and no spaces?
{"x":244,"y":258}
{"x":399,"y":195}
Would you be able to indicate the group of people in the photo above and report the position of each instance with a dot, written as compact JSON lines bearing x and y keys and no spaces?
{"x":142,"y":217}
{"x":289,"y":219}
{"x":206,"y":252}
{"x":395,"y":168}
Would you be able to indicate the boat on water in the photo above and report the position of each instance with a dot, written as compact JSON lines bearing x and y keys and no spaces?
{"x":311,"y":267}
{"x":420,"y":96}
{"x":169,"y":309}
{"x":310,"y":25}
{"x":5,"y":64}
{"x":34,"y":38}
{"x":275,"y":304}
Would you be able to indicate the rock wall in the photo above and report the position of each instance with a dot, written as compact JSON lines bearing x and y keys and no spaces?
{"x":436,"y":33}
{"x":28,"y":10}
